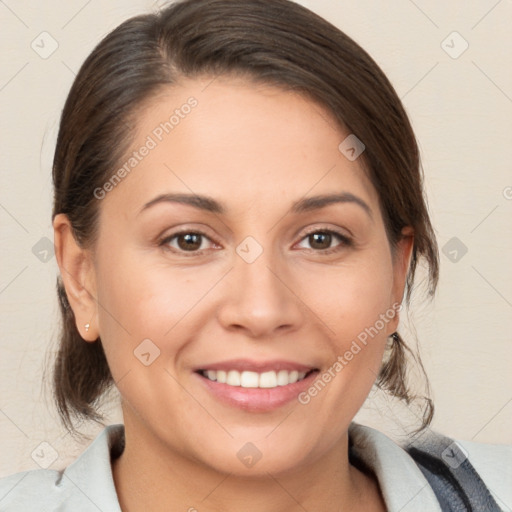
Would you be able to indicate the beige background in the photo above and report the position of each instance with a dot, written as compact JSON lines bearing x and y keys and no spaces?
{"x":461,"y":109}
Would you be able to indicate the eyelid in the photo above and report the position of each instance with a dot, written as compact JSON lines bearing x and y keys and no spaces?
{"x":165,"y":240}
{"x":324,"y":229}
{"x":344,"y":234}
{"x":346,"y":239}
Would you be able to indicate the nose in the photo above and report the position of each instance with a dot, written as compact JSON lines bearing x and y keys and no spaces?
{"x":259,"y":298}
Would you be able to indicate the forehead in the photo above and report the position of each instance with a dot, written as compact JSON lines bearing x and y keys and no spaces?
{"x":242,"y":142}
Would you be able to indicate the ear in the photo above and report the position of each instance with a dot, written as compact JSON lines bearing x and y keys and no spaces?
{"x":77,"y":272}
{"x":401,"y":261}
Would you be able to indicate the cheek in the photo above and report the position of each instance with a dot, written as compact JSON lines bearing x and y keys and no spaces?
{"x":143,"y":325}
{"x":355,"y":303}
{"x":146,"y":299}
{"x":351,"y":299}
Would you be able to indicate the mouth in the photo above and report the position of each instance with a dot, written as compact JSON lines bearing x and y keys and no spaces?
{"x":256,"y":387}
{"x":251,"y":379}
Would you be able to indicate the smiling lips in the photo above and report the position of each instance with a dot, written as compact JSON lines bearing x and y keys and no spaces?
{"x":250,"y":374}
{"x":256,"y":387}
{"x":248,"y":379}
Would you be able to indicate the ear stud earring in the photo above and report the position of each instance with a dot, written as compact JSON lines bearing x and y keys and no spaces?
{"x":88,"y":325}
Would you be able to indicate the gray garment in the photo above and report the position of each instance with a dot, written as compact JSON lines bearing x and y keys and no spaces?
{"x":457,"y":485}
{"x":87,"y":484}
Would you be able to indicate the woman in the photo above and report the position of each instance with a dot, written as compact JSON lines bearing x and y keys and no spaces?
{"x":238,"y":218}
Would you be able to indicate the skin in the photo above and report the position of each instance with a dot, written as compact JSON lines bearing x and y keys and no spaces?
{"x":256,"y":150}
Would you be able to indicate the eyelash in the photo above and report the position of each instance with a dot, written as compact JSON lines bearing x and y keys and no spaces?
{"x":345,"y":241}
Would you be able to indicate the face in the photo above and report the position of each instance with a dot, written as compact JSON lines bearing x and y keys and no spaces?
{"x":282,"y":271}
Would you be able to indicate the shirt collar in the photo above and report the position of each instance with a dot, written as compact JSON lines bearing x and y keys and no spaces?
{"x":92,"y":474}
{"x":402,"y":483}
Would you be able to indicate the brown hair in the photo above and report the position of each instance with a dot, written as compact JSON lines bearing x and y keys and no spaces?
{"x":276,"y":42}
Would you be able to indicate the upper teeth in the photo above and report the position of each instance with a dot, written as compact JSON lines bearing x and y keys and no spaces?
{"x":247,"y":379}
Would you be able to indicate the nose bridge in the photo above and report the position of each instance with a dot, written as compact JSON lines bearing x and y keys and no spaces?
{"x":257,"y":270}
{"x":258,"y":300}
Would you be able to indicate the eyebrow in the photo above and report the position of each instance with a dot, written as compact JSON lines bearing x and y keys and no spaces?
{"x":302,"y":205}
{"x":316,"y":202}
{"x":200,"y":202}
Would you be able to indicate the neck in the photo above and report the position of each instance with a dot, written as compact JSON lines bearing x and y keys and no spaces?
{"x":150,"y":476}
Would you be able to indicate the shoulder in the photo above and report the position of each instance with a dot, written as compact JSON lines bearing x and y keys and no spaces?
{"x":435,"y":472}
{"x":493,"y":463}
{"x":25,"y":490}
{"x":86,"y":484}
{"x":478,"y":473}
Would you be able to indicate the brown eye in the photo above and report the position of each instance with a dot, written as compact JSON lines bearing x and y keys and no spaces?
{"x":189,"y":241}
{"x":323,"y":241}
{"x":320,"y":240}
